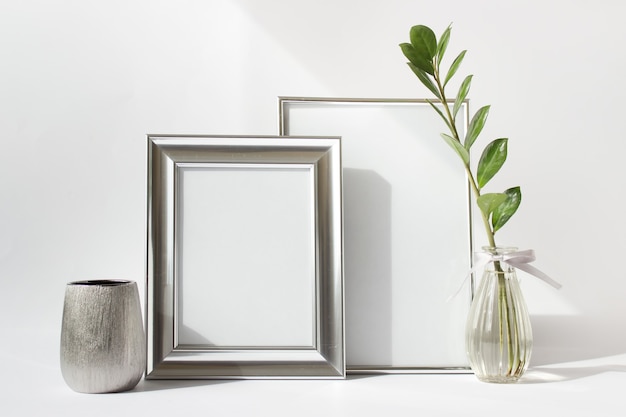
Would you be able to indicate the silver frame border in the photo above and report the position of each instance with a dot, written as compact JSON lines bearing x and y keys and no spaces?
{"x":165,"y":360}
{"x":282,"y":128}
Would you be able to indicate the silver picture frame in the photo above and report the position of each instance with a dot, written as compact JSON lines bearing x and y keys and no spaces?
{"x":244,"y":257}
{"x":407,"y":231}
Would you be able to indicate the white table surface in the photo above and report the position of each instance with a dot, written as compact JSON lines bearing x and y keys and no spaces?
{"x":32,"y":385}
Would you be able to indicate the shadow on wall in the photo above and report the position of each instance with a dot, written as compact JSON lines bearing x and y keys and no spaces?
{"x":189,"y":336}
{"x":367,"y":266}
{"x":560,"y":339}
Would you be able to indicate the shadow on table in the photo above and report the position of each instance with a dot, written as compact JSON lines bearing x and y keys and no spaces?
{"x":147,"y":385}
{"x":553,"y":374}
{"x":561,"y":341}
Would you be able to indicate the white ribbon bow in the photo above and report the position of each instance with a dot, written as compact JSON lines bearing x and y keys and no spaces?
{"x":519,"y":259}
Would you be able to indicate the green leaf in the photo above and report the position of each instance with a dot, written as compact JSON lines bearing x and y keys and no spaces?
{"x":440,"y":114}
{"x":460,"y":97}
{"x":491,"y":161}
{"x":458,"y":148}
{"x":424,"y":41}
{"x":505,"y":211}
{"x":476,"y":126}
{"x":454,"y":67}
{"x":442,"y":45}
{"x":425,"y":79}
{"x":414,"y":58}
{"x":490,"y":202}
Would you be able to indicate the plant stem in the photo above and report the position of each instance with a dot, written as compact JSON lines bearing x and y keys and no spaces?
{"x":470,"y":176}
{"x":503,"y":311}
{"x":503,"y":302}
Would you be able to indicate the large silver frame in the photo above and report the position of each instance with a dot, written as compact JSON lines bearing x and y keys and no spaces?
{"x":408,"y":240}
{"x":170,"y":358}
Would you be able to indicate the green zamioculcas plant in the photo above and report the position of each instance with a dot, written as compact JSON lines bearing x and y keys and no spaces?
{"x":425,"y":55}
{"x":498,"y":335}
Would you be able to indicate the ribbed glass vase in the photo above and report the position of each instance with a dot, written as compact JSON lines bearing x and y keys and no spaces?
{"x":498,"y":333}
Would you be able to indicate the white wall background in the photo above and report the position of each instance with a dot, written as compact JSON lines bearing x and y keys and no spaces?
{"x":82,"y":82}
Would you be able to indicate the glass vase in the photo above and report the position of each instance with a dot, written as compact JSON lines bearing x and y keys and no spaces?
{"x":498,"y":332}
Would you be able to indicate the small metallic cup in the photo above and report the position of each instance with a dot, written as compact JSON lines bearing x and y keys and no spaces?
{"x":102,"y":336}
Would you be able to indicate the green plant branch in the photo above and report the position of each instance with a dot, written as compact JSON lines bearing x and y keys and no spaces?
{"x":490,"y":233}
{"x":444,"y":102}
{"x":455,"y":134}
{"x":425,"y":54}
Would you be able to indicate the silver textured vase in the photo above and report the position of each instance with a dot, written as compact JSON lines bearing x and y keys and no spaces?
{"x":102,"y":336}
